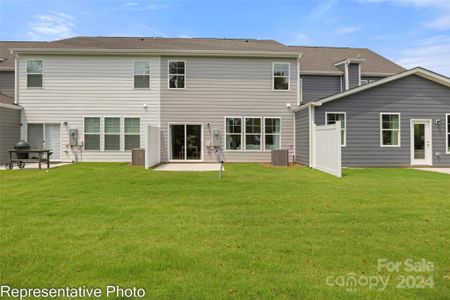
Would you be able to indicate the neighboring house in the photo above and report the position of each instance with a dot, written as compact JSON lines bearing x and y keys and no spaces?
{"x":246,"y":92}
{"x":401,"y":120}
{"x":330,"y":70}
{"x":9,"y":112}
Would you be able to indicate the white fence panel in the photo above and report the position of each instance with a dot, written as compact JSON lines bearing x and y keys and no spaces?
{"x":152,"y":146}
{"x":327,"y":149}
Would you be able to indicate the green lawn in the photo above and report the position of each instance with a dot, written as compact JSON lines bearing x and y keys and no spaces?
{"x":259,"y":232}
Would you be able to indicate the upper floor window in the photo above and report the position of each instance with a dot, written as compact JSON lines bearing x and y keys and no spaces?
{"x":332,"y":118}
{"x":390,"y":130}
{"x":177,"y":74}
{"x":448,"y":133}
{"x":280,"y":76}
{"x":141,"y":74}
{"x":35,"y":70}
{"x":272,"y":134}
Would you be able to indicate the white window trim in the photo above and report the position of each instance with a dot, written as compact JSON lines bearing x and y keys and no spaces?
{"x":120,"y":132}
{"x":447,"y":116}
{"x":345,"y":120}
{"x":26,"y":74}
{"x":264,"y":133}
{"x":289,"y":76}
{"x":100,"y":134}
{"x":225,"y":135}
{"x":169,"y":141}
{"x":168,"y":75}
{"x":149,"y":75}
{"x":124,"y":133}
{"x":399,"y":130}
{"x":261,"y":135}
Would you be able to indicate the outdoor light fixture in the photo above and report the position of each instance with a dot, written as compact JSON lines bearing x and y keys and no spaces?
{"x":438,"y":121}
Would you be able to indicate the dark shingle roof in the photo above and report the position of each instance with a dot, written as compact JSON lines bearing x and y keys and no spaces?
{"x":155,"y":43}
{"x":7,"y":59}
{"x":322,"y":59}
{"x":6,"y":99}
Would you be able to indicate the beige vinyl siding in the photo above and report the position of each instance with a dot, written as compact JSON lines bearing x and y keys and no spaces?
{"x":79,"y":86}
{"x":219,"y":87}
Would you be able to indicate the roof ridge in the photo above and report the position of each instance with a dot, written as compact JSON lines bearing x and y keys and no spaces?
{"x":330,"y":47}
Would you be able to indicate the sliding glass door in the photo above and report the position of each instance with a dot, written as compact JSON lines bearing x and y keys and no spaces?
{"x":185,"y":142}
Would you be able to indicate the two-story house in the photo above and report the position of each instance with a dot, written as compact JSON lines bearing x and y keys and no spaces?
{"x":257,"y":95}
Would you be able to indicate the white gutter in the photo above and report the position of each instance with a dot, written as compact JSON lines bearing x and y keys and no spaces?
{"x":305,"y":106}
{"x":347,"y":84}
{"x":161,"y":52}
{"x":12,"y":106}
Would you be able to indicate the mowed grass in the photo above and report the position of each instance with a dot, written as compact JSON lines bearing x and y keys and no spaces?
{"x":259,"y":232}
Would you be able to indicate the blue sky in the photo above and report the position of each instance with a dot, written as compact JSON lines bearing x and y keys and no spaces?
{"x":410,"y":32}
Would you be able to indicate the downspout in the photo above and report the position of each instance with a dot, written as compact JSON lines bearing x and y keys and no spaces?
{"x":299,"y":101}
{"x":311,"y":135}
{"x":16,"y":79}
{"x":299,"y":87}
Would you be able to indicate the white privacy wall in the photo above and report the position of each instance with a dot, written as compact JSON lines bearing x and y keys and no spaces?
{"x":327,"y":148}
{"x":152,"y":146}
{"x":79,"y":86}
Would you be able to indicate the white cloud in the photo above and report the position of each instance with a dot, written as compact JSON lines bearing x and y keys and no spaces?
{"x":53,"y":26}
{"x":441,"y":8}
{"x":320,"y":10}
{"x":432,"y":53}
{"x":346,"y":29}
{"x":143,"y":5}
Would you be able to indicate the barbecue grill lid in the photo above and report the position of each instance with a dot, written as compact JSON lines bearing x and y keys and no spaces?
{"x":22,"y":145}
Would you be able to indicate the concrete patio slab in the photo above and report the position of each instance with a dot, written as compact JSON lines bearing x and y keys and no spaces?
{"x":35,"y":166}
{"x":438,"y":170}
{"x":199,"y":167}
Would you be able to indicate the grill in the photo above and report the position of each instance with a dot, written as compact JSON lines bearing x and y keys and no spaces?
{"x":22,"y":145}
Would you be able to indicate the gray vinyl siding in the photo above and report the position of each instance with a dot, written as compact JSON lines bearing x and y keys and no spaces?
{"x":220,"y":87}
{"x":7,"y":82}
{"x":413,"y":97}
{"x":302,"y":137}
{"x":89,"y":86}
{"x":371,"y":78}
{"x":315,"y":87}
{"x":353,"y":75}
{"x":9,"y":131}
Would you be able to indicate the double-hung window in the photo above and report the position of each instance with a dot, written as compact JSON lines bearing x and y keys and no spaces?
{"x":233,"y":134}
{"x":332,"y":118}
{"x":390,"y":129}
{"x":272,"y":133}
{"x":132,"y":133}
{"x":447,"y":117}
{"x":92,"y":133}
{"x":177,"y":74}
{"x":253,"y":134}
{"x":112,"y":133}
{"x":280,"y":76}
{"x":35,"y":70}
{"x":141,"y":74}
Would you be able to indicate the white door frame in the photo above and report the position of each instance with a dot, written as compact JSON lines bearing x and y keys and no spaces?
{"x":428,"y":161}
{"x":169,"y":154}
{"x":43,"y":135}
